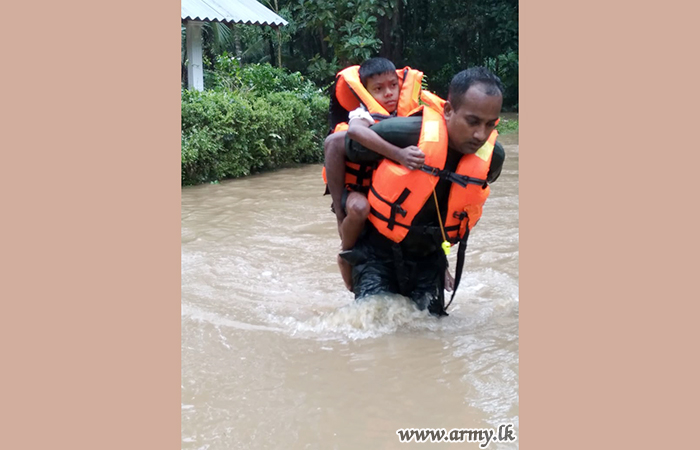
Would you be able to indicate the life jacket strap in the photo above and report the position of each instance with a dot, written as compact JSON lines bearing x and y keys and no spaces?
{"x":395,"y":207}
{"x":361,"y":174}
{"x":460,"y":262}
{"x":459,"y":215}
{"x":453,"y":177}
{"x":419,"y":229}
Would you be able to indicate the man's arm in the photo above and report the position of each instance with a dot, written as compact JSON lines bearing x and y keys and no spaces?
{"x":400,"y":131}
{"x":403,"y":132}
{"x":410,"y":156}
{"x":499,"y":155}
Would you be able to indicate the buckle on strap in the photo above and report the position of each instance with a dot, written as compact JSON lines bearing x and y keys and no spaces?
{"x":464,"y":180}
{"x":397,"y":209}
{"x":459,"y":215}
{"x":430,"y":170}
{"x":461,"y":180}
{"x":395,"y":206}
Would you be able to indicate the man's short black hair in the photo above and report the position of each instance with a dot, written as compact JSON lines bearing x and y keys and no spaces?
{"x":375,"y":66}
{"x":467,"y":78}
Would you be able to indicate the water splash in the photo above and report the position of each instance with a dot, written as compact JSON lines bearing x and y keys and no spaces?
{"x":370,"y":317}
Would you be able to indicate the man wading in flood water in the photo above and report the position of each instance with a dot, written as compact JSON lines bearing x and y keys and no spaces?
{"x":403,"y":246}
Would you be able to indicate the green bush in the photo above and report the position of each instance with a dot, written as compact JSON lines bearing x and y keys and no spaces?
{"x":228,"y":75}
{"x":271,"y":120}
{"x":506,"y":126}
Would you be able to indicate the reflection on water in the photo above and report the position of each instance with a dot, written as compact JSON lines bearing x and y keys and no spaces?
{"x":276,"y":354}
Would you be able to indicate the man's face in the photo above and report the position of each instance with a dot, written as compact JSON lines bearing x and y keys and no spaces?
{"x":469,"y":127}
{"x":385,"y":90}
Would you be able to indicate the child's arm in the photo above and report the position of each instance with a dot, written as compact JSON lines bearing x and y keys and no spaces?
{"x":412,"y":157}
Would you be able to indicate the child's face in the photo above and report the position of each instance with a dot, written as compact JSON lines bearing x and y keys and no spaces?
{"x":385,"y":90}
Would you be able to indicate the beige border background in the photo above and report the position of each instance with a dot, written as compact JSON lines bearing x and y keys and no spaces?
{"x":91,"y":225}
{"x":91,"y":278}
{"x":608,"y":272}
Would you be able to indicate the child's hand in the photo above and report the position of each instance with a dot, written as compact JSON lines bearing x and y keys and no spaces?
{"x":412,"y":157}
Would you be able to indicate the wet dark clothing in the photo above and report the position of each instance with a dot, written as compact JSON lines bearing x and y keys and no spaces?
{"x":415,"y":267}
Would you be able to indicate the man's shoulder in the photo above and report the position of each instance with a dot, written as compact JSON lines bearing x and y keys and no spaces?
{"x":499,"y":153}
{"x":498,"y":149}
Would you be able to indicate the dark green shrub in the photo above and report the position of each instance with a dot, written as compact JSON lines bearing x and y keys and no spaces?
{"x":229,"y":134}
{"x":229,"y":75}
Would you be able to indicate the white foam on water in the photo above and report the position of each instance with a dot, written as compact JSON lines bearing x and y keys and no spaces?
{"x":370,"y":317}
{"x":200,"y":315}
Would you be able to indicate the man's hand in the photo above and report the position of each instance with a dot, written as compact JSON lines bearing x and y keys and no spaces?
{"x":449,"y":281}
{"x":412,"y":157}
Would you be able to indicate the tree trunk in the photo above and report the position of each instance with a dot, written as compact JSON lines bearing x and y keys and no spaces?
{"x":272,"y":48}
{"x":279,"y":47}
{"x":385,"y":35}
{"x":279,"y":39}
{"x":469,"y":37}
{"x":324,"y":44}
{"x":396,"y":19}
{"x":237,"y":40}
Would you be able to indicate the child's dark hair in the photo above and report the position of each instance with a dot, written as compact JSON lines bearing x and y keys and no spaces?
{"x":466,"y":78}
{"x":375,"y":66}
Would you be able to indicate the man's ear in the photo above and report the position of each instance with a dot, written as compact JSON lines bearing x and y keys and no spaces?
{"x":448,"y":111}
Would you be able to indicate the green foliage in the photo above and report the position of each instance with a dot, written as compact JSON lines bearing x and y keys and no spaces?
{"x":506,"y":126}
{"x":447,"y":37}
{"x":339,"y":32}
{"x":272,"y":119}
{"x":254,"y":116}
{"x":229,"y":74}
{"x":321,"y":70}
{"x":323,"y":36}
{"x":508,"y":70}
{"x":438,"y":38}
{"x":357,"y":41}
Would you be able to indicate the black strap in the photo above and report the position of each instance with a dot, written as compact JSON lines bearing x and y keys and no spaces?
{"x":420,"y":229}
{"x":453,"y":177}
{"x":395,"y":207}
{"x":352,"y":171}
{"x":460,"y":262}
{"x":355,"y":94}
{"x":365,"y":174}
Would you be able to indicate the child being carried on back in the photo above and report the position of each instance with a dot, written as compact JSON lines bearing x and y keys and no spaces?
{"x":379,"y":78}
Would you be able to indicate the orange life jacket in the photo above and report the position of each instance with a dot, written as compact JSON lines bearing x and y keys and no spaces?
{"x":398,"y":194}
{"x":350,"y":93}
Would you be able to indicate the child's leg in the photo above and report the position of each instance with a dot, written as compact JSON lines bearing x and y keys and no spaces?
{"x":334,"y":149}
{"x":357,"y":208}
